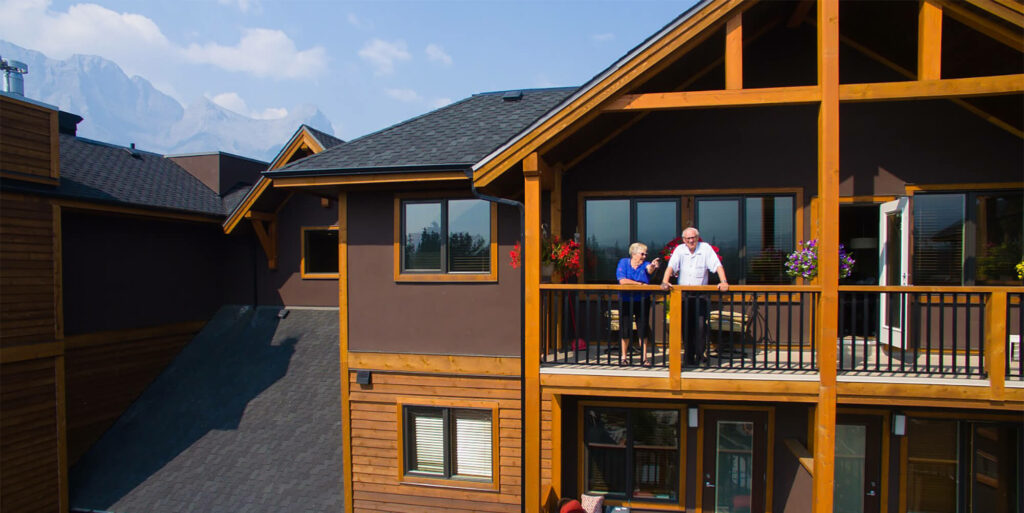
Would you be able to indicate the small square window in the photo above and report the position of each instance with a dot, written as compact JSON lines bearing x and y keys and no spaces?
{"x":320,"y":252}
{"x":449,"y":443}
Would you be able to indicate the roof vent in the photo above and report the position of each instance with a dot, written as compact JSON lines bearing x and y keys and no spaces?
{"x":133,"y":152}
{"x":14,"y":82}
{"x":512,"y":96}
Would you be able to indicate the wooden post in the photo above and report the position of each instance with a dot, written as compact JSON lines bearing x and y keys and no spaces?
{"x":556,"y":444}
{"x":828,"y":253}
{"x":556,"y":201}
{"x":929,"y":41}
{"x":995,"y":343}
{"x":346,"y":407}
{"x":533,"y":167}
{"x":734,"y":52}
{"x":675,"y":339}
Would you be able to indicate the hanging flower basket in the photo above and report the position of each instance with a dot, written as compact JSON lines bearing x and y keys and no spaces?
{"x":803,"y":262}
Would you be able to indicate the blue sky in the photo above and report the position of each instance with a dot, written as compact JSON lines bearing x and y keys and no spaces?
{"x":367,"y":65}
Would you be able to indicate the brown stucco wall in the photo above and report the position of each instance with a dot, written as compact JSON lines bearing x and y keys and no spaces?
{"x":128,"y":272}
{"x":285,"y":285}
{"x":433,"y":318}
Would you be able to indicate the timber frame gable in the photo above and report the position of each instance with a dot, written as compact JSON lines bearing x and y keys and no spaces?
{"x":610,"y":91}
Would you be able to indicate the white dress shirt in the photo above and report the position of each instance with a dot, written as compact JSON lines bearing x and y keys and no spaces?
{"x":693,"y":268}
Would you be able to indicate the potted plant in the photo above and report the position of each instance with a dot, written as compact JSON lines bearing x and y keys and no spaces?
{"x":560,"y":259}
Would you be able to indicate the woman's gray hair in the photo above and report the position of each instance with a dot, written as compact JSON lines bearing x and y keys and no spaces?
{"x":637,"y":247}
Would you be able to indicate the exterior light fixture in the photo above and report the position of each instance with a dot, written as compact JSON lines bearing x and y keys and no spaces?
{"x":899,"y":424}
{"x":693,"y":417}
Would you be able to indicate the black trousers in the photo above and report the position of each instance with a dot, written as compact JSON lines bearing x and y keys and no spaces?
{"x":695,"y":327}
{"x":637,"y":310}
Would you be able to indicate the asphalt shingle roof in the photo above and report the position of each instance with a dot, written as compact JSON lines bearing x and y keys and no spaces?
{"x":246,"y":418}
{"x":459,"y":134}
{"x":326,"y":140}
{"x":92,"y":170}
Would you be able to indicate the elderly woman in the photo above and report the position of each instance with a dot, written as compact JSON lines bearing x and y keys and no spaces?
{"x":636,"y":306}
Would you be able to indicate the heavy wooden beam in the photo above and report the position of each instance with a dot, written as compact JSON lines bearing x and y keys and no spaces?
{"x":933,"y":89}
{"x":720,"y":98}
{"x":1001,"y":10}
{"x":734,"y":52}
{"x":929,"y":41}
{"x":346,"y":406}
{"x":1011,"y":38}
{"x":828,"y":252}
{"x":533,"y":168}
{"x":995,"y":342}
{"x":267,"y":235}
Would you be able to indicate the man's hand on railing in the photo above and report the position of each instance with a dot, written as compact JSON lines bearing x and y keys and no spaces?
{"x":666,"y":285}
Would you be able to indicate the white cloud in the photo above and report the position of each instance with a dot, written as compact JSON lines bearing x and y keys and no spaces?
{"x":437,"y":54}
{"x":243,"y":5}
{"x":542,"y":80}
{"x":264,"y":53}
{"x":403,"y":95}
{"x":233,"y":102}
{"x":437,"y":103}
{"x":356,"y":22}
{"x":138,"y":45}
{"x":601,"y":38}
{"x":383,"y":54}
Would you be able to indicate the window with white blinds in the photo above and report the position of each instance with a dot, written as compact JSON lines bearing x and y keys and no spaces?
{"x":452,"y":443}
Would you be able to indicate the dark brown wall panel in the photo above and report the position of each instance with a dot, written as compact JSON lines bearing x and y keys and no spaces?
{"x":433,"y":318}
{"x":124,"y":273}
{"x":27,"y":281}
{"x":29,"y":459}
{"x":375,"y":463}
{"x":107,"y":371}
{"x":285,"y":285}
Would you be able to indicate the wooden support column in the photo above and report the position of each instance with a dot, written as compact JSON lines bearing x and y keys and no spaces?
{"x":556,"y":201}
{"x":929,"y":41}
{"x":675,"y":339}
{"x":556,"y":445}
{"x":346,"y":407}
{"x":533,"y":167}
{"x":734,"y":52}
{"x":995,"y":343}
{"x":828,"y":253}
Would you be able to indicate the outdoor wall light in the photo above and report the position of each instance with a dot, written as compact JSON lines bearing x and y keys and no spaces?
{"x":899,"y":424}
{"x":693,"y":417}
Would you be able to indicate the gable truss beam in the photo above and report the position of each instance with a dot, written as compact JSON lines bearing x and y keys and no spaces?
{"x":1011,"y":38}
{"x":909,"y":90}
{"x":929,"y":41}
{"x":265,"y":226}
{"x":1001,"y":9}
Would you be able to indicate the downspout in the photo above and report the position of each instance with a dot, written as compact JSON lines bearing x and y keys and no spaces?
{"x":522,"y":321}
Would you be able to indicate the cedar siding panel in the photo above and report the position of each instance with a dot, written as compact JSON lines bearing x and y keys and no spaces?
{"x":375,"y":455}
{"x":433,"y":318}
{"x":107,"y":371}
{"x":27,"y":280}
{"x":27,"y":140}
{"x":29,"y":448}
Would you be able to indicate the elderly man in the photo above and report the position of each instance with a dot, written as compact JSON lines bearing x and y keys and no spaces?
{"x":692,"y":261}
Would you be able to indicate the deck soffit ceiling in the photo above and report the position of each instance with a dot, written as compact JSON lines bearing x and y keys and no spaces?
{"x":1000,"y":20}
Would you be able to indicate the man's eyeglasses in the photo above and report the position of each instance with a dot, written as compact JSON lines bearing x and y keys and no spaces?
{"x":689,"y":238}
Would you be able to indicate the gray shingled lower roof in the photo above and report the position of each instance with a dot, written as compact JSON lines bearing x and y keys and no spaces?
{"x":246,"y":418}
{"x":455,"y":136}
{"x":92,"y":170}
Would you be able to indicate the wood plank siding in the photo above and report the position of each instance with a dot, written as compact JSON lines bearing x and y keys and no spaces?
{"x":30,"y":473}
{"x":107,"y":371}
{"x":28,"y":141}
{"x":28,"y":313}
{"x":375,"y":453}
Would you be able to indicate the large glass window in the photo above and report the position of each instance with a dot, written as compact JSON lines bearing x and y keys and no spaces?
{"x":632,"y":453}
{"x":446,"y":236}
{"x":449,"y":443}
{"x":613,"y":224}
{"x":753,"y":235}
{"x":966,"y":239}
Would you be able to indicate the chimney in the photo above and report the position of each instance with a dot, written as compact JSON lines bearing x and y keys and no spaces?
{"x":14,"y":83}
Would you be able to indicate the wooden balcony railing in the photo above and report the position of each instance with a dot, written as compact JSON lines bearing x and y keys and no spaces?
{"x":748,"y":327}
{"x":952,"y":332}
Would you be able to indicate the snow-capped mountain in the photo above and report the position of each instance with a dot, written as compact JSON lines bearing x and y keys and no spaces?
{"x":120,"y":110}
